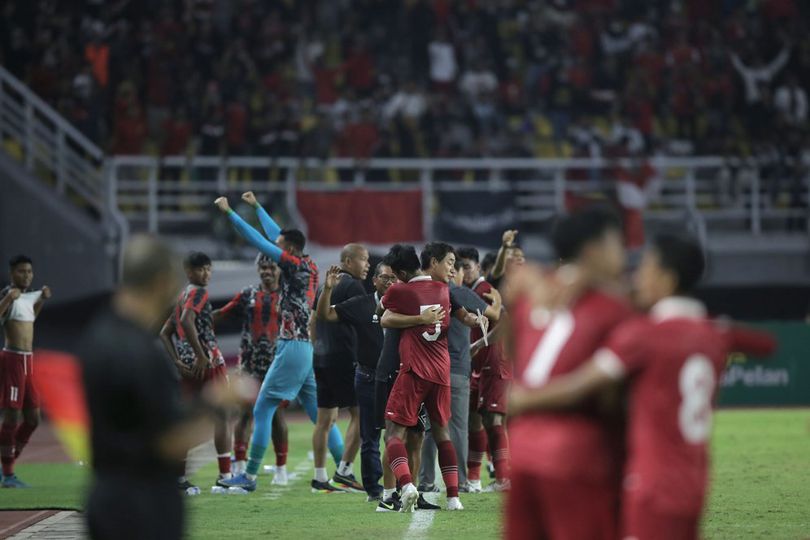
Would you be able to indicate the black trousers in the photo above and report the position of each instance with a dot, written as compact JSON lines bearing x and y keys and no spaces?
{"x":127,"y":507}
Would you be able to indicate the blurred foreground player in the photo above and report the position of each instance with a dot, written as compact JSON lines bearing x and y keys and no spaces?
{"x":672,"y":360}
{"x":19,"y":399}
{"x":565,"y":480}
{"x":257,"y":307}
{"x":141,"y":429}
{"x":188,"y":336}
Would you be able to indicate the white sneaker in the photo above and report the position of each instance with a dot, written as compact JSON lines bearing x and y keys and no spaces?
{"x":474,"y":486}
{"x":408,"y":498}
{"x":499,"y":487}
{"x":454,"y":503}
{"x":280,"y":478}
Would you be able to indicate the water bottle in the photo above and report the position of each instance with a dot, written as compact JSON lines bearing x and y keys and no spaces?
{"x":234,"y":490}
{"x":219,"y":490}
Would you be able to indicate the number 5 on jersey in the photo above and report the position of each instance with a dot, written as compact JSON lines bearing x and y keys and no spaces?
{"x":437,"y":327}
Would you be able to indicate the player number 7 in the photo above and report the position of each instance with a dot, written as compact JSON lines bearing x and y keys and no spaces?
{"x":437,"y":326}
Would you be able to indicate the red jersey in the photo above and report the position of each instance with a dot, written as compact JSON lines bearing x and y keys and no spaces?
{"x":572,"y":444}
{"x":492,"y":357}
{"x":422,"y":349}
{"x":195,"y":299}
{"x":673,"y":382}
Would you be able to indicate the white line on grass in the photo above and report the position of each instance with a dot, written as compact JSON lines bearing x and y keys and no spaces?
{"x":298,"y":473}
{"x":422,"y":520}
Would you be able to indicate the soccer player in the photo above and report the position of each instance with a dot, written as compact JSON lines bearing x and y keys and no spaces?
{"x":291,"y":375}
{"x":425,"y":372}
{"x":361,"y":313}
{"x":188,"y":336}
{"x":564,"y":481}
{"x":405,"y":265}
{"x":672,"y":385}
{"x":257,"y":306}
{"x":489,"y":381}
{"x":458,"y":343}
{"x":336,"y":352}
{"x":19,"y":399}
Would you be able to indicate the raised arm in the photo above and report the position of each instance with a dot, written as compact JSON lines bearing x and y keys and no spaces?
{"x":493,"y":311}
{"x":271,"y":228}
{"x":507,"y":241}
{"x":247,"y":232}
{"x":324,"y":310}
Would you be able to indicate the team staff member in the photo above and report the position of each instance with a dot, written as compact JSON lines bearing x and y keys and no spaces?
{"x":335,"y":345}
{"x":140,"y":430}
{"x":361,"y":313}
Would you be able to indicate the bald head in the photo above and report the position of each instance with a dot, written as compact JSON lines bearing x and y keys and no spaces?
{"x":354,"y":260}
{"x":146,"y":261}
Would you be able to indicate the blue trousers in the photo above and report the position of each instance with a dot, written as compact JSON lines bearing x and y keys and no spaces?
{"x":370,"y":464}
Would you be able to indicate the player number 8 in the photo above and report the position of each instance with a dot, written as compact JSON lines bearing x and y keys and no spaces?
{"x":696,"y":382}
{"x":438,"y":326}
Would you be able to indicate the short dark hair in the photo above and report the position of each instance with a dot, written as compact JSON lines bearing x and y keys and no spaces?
{"x":573,"y":232}
{"x":196,"y":259}
{"x":488,"y":262}
{"x":469,"y":253}
{"x":378,"y":268}
{"x":19,"y":259}
{"x":262,"y":259}
{"x":435,"y":250}
{"x":458,"y":264}
{"x":402,"y":258}
{"x":683,"y":255}
{"x":295,"y":237}
{"x":146,"y":259}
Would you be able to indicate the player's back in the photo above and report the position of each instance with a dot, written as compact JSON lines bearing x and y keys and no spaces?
{"x":670,"y":410}
{"x":575,"y":444}
{"x":423,"y":349}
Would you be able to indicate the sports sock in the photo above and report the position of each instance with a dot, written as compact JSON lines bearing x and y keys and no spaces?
{"x":7,"y":432}
{"x":240,"y":450}
{"x":398,"y":460}
{"x":388,"y":493}
{"x":345,"y":469}
{"x":281,"y":453}
{"x":478,"y":445}
{"x":22,"y":436}
{"x":320,"y":474}
{"x":499,"y":443}
{"x":224,"y":462}
{"x":449,"y":466}
{"x":255,"y":460}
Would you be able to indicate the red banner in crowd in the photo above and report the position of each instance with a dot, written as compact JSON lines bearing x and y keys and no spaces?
{"x":335,"y":218}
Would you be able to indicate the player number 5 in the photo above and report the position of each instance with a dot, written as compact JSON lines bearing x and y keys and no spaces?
{"x":696,"y":382}
{"x":437,"y":327}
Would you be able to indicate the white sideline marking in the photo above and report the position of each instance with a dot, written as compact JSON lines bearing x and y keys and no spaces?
{"x":293,"y":477}
{"x":422,"y":519}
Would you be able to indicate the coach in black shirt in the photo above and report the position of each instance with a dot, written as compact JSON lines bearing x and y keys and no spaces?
{"x":335,"y":348}
{"x":360,"y":313}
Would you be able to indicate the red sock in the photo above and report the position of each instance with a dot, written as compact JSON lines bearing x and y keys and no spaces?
{"x":22,"y":436}
{"x":499,"y":442}
{"x":240,"y":450}
{"x":478,"y":446}
{"x":281,"y":453}
{"x":7,"y":432}
{"x":449,"y":466}
{"x":398,"y":460}
{"x":224,"y":462}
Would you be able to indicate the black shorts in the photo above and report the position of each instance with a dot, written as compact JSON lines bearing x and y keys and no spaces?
{"x":335,"y":387}
{"x":382,"y":389}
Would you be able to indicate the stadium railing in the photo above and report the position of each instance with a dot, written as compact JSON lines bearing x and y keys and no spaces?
{"x":53,"y":150}
{"x":712,"y":194}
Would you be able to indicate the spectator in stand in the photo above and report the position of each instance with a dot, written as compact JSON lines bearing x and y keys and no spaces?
{"x":790,"y":102}
{"x":443,"y":66}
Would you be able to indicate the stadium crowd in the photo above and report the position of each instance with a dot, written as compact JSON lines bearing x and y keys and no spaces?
{"x":372,"y":78}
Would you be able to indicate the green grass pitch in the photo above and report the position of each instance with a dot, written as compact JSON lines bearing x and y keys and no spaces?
{"x":761,"y":489}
